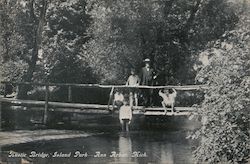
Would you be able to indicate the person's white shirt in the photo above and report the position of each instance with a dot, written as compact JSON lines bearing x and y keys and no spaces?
{"x":133,"y":80}
{"x":118,"y":96}
{"x":125,"y":113}
{"x":168,"y":99}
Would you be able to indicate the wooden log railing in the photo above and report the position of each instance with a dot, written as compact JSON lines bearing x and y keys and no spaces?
{"x":82,"y":108}
{"x":70,"y":85}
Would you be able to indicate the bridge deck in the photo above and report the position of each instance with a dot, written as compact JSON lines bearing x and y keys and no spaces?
{"x":90,"y":108}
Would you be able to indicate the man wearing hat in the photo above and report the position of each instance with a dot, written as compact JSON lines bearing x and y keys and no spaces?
{"x":147,"y":75}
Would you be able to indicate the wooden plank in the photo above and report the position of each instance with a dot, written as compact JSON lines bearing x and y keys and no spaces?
{"x":72,"y":110}
{"x":152,"y":113}
{"x":52,"y":104}
{"x":17,"y":102}
{"x":81,"y":111}
{"x":105,"y":112}
{"x":161,"y":108}
{"x":185,"y":87}
{"x":92,"y":111}
{"x":66,"y":110}
{"x":51,"y":84}
{"x":22,"y":102}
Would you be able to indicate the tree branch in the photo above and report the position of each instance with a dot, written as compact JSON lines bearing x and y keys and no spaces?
{"x":191,"y":18}
{"x":32,"y":12}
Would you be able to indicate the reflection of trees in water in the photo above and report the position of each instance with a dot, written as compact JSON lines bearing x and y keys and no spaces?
{"x":160,"y":152}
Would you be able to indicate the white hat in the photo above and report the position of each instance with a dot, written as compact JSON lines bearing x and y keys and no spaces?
{"x":147,"y":60}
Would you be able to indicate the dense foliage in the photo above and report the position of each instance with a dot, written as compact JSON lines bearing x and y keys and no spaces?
{"x":91,"y":41}
{"x":46,"y":40}
{"x":225,"y":112}
{"x":40,"y":41}
{"x":168,"y":32}
{"x":65,"y":34}
{"x":14,"y":48}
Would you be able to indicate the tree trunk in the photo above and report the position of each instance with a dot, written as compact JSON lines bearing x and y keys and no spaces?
{"x":190,"y":20}
{"x":38,"y":27}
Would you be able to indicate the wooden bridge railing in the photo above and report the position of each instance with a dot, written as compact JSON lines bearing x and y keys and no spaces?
{"x":70,"y":85}
{"x":178,"y":87}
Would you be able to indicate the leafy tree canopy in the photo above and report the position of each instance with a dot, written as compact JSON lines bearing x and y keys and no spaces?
{"x":225,"y":112}
{"x":124,"y":32}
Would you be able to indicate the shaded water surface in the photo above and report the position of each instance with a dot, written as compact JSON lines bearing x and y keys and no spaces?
{"x":116,"y":147}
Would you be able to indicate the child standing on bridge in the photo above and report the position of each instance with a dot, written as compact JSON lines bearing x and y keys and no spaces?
{"x":133,"y":80}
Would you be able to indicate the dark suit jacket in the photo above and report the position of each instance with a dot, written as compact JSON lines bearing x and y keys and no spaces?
{"x":146,"y":76}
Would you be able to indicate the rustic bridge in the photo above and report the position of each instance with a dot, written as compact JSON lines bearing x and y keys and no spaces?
{"x":50,"y":106}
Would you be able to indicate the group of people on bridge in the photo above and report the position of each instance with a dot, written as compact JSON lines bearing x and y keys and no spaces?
{"x":146,"y":78}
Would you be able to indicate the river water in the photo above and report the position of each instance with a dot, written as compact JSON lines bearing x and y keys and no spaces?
{"x":160,"y":146}
{"x":150,"y":140}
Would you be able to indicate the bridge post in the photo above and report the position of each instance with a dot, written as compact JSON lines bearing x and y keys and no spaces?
{"x":17,"y":89}
{"x":45,"y":118}
{"x":69,"y":94}
{"x":5,"y":90}
{"x":110,"y":98}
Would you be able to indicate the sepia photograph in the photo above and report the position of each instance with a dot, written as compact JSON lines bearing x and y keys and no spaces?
{"x":124,"y":81}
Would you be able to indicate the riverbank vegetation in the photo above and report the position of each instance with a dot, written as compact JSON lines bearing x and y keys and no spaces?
{"x":225,"y":110}
{"x":98,"y":41}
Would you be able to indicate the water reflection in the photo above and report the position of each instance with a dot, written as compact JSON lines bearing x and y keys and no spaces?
{"x":124,"y":147}
{"x":125,"y":144}
{"x":167,"y":154}
{"x":155,"y":151}
{"x":151,"y":147}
